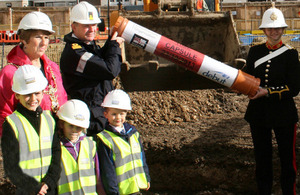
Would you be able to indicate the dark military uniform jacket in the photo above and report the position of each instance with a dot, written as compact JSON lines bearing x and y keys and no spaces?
{"x":87,"y":72}
{"x":281,"y":77}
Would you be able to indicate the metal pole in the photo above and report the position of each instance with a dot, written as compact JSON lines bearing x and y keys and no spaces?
{"x":10,"y":18}
{"x":2,"y":54}
{"x":108,"y":18}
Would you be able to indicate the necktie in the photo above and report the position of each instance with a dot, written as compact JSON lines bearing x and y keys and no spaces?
{"x":123,"y":132}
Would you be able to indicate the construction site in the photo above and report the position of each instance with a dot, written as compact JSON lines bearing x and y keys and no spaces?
{"x":193,"y":129}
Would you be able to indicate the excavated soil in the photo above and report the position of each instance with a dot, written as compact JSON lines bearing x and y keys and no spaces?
{"x":196,"y":143}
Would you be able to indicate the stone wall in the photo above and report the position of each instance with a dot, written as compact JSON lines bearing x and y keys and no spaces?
{"x":247,"y":16}
{"x":10,"y":17}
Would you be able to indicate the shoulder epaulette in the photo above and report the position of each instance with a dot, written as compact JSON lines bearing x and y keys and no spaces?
{"x":289,"y":47}
{"x":76,"y":46}
{"x":256,"y":43}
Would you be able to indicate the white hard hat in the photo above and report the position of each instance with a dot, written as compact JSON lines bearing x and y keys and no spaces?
{"x":36,"y":21}
{"x":75,"y":112}
{"x":273,"y":18}
{"x":28,"y":79}
{"x":117,"y":99}
{"x":84,"y":13}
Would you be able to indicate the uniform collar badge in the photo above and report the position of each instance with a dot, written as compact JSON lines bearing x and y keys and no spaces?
{"x":273,"y":47}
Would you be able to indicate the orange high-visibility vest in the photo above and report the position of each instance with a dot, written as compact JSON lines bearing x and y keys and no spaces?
{"x":199,"y":5}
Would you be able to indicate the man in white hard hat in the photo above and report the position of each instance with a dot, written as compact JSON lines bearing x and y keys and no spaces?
{"x":30,"y":146}
{"x":273,"y":107}
{"x":87,"y":69}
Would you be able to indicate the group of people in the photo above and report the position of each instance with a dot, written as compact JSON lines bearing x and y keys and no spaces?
{"x":63,"y":128}
{"x":67,"y":134}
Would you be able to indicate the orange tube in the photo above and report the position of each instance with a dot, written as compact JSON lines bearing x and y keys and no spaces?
{"x":120,"y":25}
{"x":186,"y":57}
{"x":246,"y":84}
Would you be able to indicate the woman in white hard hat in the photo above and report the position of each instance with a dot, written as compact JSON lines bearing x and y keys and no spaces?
{"x":273,"y":108}
{"x":30,"y":147}
{"x":34,"y":31}
{"x":78,"y":151}
{"x":88,"y":69}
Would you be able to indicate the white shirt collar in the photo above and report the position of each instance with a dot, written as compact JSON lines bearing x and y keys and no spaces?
{"x":119,"y":129}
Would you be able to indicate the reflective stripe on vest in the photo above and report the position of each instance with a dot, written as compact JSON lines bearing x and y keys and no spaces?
{"x":35,"y":150}
{"x":128,"y":160}
{"x":78,"y":178}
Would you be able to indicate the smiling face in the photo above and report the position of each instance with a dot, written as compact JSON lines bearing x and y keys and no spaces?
{"x":36,"y":45}
{"x":84,"y":32}
{"x":116,"y":117}
{"x":273,"y":35}
{"x":72,"y":132}
{"x":30,"y":101}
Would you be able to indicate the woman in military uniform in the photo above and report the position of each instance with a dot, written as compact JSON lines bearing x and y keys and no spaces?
{"x":273,"y":107}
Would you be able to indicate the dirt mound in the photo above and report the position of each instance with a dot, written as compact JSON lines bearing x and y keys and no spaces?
{"x":197,"y":142}
{"x":174,"y":107}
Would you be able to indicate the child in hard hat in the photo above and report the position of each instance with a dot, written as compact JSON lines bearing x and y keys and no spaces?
{"x":122,"y":158}
{"x":80,"y":166}
{"x":30,"y":146}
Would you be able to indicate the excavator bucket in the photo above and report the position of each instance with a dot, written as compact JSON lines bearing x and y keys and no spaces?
{"x":211,"y":33}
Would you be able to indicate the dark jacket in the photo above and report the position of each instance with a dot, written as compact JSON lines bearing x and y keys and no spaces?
{"x":87,"y":72}
{"x":27,"y":185}
{"x":281,"y":76}
{"x":107,"y":167}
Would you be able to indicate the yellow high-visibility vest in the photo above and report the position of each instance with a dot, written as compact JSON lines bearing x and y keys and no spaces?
{"x":35,"y":150}
{"x":78,"y":177}
{"x":128,"y":160}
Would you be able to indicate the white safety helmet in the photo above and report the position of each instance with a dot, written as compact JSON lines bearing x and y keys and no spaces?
{"x":28,"y":79}
{"x":75,"y":112}
{"x":273,"y":18}
{"x":84,"y":13}
{"x":36,"y":21}
{"x":117,"y":99}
